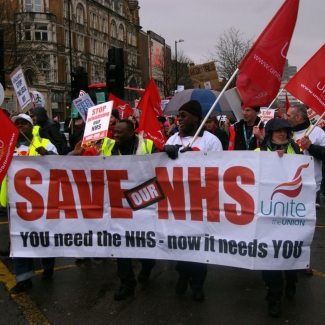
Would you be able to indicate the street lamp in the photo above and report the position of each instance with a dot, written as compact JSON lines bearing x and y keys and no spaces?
{"x":176,"y":77}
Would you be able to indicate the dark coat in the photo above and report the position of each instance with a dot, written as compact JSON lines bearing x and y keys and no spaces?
{"x":52,"y":127}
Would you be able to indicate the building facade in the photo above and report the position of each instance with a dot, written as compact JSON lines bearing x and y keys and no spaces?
{"x":48,"y":38}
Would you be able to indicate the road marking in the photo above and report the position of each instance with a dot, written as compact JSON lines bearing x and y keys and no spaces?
{"x":4,"y":223}
{"x":320,"y":227}
{"x":31,"y":312}
{"x":320,"y":274}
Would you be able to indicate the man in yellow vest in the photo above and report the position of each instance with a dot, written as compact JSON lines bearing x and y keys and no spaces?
{"x":125,"y":142}
{"x":28,"y":145}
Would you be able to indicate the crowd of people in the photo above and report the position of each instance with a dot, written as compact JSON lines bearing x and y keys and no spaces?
{"x":40,"y":135}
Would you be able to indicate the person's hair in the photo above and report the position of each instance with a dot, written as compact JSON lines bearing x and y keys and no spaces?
{"x":302,"y":110}
{"x":162,"y":119}
{"x":128,"y":122}
{"x":231,"y":119}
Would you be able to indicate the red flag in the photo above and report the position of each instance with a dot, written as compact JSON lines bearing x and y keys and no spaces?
{"x":124,"y":109}
{"x":287,"y":105}
{"x":148,"y":121}
{"x":280,"y":113}
{"x":8,"y":138}
{"x":308,"y":84}
{"x":154,"y":97}
{"x":262,"y":68}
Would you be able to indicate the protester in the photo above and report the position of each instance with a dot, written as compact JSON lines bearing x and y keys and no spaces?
{"x":278,"y":137}
{"x":171,"y":121}
{"x":230,"y":120}
{"x":77,"y":131}
{"x":190,"y":117}
{"x":211,"y":125}
{"x":134,"y":121}
{"x":245,"y":134}
{"x":166,"y":129}
{"x":313,"y":144}
{"x":125,"y":142}
{"x":29,"y":145}
{"x":52,"y":128}
{"x":114,"y":119}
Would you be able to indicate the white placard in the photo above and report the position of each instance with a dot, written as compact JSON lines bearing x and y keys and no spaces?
{"x":97,"y":122}
{"x":21,"y":89}
{"x":38,"y":99}
{"x":83,"y":103}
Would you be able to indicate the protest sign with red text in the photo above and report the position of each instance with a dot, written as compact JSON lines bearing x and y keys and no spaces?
{"x":97,"y":122}
{"x":229,"y":209}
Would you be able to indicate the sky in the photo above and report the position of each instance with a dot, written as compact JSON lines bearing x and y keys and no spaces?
{"x":200,"y":22}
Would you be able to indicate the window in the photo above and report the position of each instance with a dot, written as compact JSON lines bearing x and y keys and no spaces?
{"x":113,"y":29}
{"x":80,"y":14}
{"x":45,"y":69}
{"x":134,"y":39}
{"x":28,"y":32}
{"x":29,"y":76}
{"x":94,"y":47}
{"x":41,"y":32}
{"x":121,"y":33}
{"x":104,"y":25}
{"x":80,"y":42}
{"x":66,"y":38}
{"x":33,"y":5}
{"x":94,"y":22}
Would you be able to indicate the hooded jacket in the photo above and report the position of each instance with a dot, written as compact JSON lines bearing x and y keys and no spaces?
{"x":52,"y":128}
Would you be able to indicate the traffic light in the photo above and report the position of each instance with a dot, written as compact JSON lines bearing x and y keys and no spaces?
{"x":2,"y":71}
{"x":79,"y":81}
{"x":115,"y":72}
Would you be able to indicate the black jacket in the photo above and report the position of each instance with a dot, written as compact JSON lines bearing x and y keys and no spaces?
{"x":52,"y":128}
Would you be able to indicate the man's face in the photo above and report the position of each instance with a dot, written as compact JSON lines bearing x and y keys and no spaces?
{"x":209,"y":124}
{"x":122,"y":134}
{"x":34,"y":118}
{"x":113,"y":120}
{"x":188,"y":123}
{"x":24,"y":126}
{"x":249,"y":115}
{"x":292,"y":117}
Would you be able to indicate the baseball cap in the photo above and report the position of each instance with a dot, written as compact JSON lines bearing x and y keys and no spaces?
{"x":24,"y":117}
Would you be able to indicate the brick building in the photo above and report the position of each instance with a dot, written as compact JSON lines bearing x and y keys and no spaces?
{"x":37,"y":37}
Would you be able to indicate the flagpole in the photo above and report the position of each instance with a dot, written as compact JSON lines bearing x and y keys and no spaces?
{"x":261,"y":120}
{"x":309,"y":131}
{"x":213,"y":106}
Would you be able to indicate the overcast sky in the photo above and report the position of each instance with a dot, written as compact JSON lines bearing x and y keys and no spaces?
{"x":200,"y":22}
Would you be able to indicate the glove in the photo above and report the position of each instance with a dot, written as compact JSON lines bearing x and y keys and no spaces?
{"x":172,"y":150}
{"x":186,"y":149}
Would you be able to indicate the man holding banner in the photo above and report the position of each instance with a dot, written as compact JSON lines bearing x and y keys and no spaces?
{"x":311,"y":139}
{"x":29,"y":145}
{"x":190,"y":116}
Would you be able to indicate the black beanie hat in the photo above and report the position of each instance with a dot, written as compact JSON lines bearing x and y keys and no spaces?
{"x":193,"y":107}
{"x":115,"y":113}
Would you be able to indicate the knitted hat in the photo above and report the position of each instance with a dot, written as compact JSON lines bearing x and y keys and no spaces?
{"x":115,"y":113}
{"x":193,"y":107}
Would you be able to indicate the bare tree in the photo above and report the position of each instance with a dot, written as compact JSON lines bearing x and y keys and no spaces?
{"x":229,"y":51}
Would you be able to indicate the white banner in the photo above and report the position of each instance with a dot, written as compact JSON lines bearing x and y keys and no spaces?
{"x":245,"y":209}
